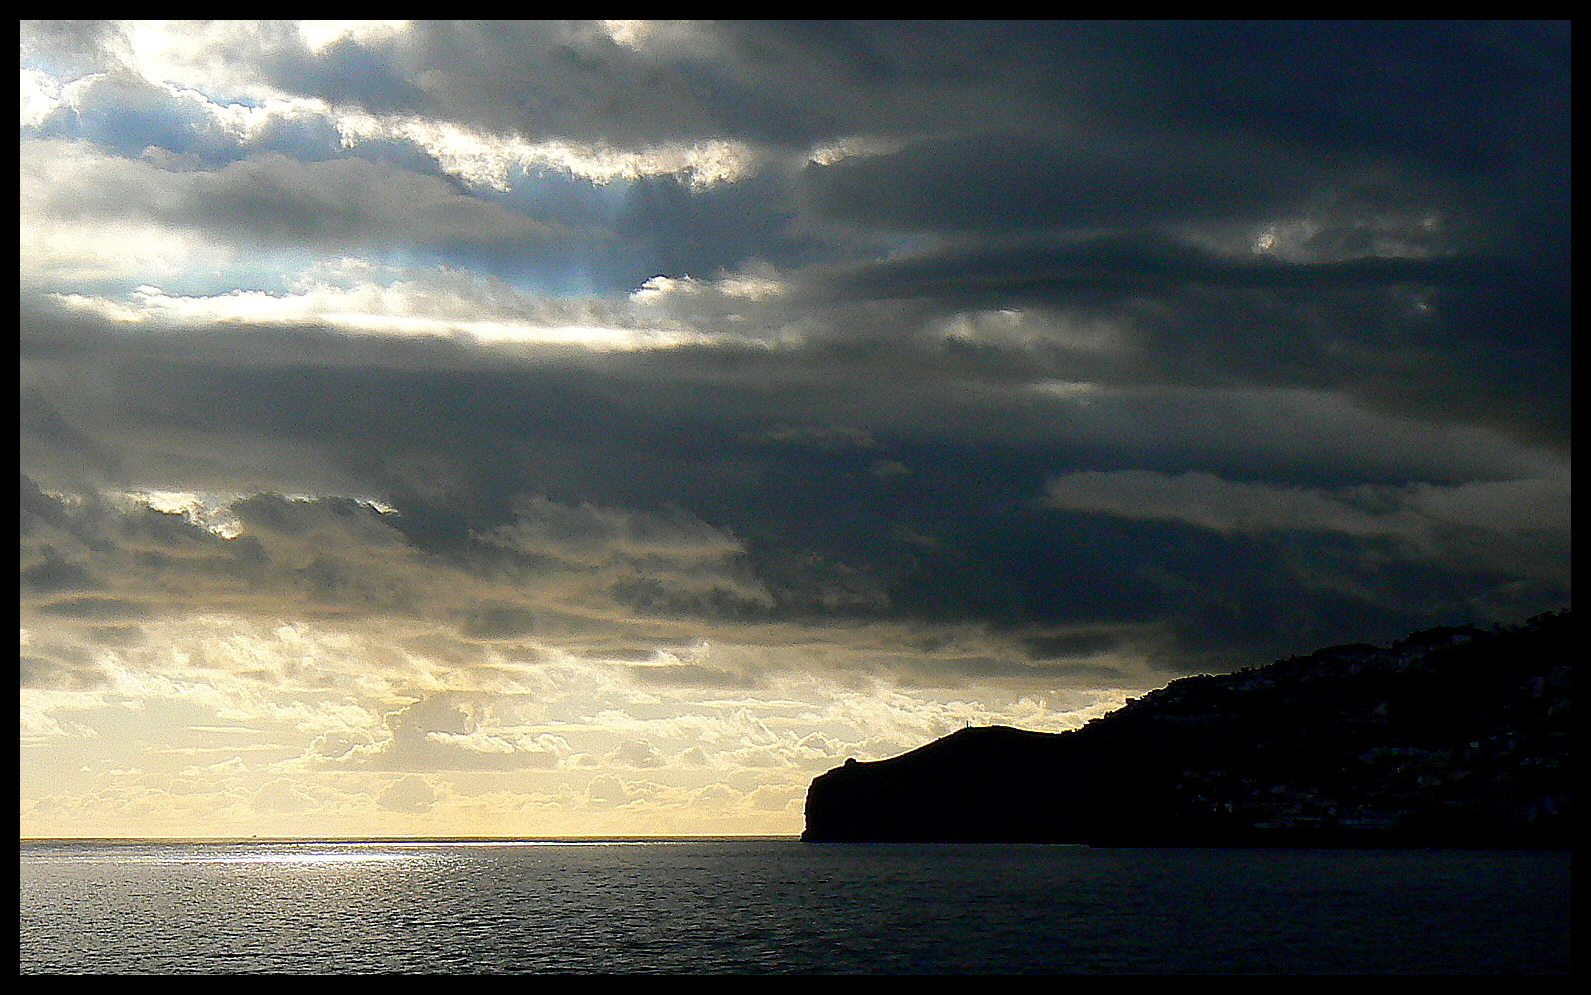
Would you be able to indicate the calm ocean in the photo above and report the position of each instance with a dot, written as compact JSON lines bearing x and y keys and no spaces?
{"x":760,"y":906}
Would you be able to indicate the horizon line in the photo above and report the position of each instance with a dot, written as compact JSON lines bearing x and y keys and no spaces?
{"x":384,"y":838}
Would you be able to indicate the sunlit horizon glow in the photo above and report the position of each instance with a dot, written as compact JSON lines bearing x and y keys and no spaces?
{"x":598,"y":429}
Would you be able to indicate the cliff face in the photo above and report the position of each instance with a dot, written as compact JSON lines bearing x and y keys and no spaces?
{"x":1449,"y":737}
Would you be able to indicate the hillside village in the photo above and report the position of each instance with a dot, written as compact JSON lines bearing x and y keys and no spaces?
{"x":1450,"y":736}
{"x":1459,"y":724}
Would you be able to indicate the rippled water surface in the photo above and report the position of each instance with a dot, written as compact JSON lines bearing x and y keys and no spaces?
{"x":779,"y":906}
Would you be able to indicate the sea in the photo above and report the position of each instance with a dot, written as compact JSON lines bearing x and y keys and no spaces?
{"x":759,"y":906}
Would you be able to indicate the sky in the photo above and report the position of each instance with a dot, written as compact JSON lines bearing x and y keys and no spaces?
{"x":604,"y":427}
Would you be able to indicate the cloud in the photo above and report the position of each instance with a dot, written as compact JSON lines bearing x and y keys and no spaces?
{"x":1209,"y":502}
{"x":453,"y":731}
{"x":268,"y":199}
{"x":74,"y":48}
{"x":1517,"y":526}
{"x":281,"y":795}
{"x":585,"y":536}
{"x":608,"y":789}
{"x":637,"y":754}
{"x":1013,"y":182}
{"x":412,"y":794}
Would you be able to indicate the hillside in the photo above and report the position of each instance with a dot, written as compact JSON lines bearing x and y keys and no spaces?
{"x":1448,"y":737}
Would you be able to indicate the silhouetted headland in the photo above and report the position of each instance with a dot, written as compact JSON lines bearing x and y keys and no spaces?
{"x":1450,"y":737}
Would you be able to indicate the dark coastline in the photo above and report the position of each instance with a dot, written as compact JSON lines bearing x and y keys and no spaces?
{"x":1448,"y":738}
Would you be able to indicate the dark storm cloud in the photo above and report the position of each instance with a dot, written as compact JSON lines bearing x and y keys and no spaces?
{"x":1454,"y":95}
{"x":988,"y":274}
{"x":1427,"y":90}
{"x":781,"y":84}
{"x":1257,"y":265}
{"x":88,"y":560}
{"x":339,"y":204}
{"x":716,"y":489}
{"x":1486,"y":334}
{"x":718,"y":429}
{"x":998,"y":182}
{"x":1441,"y":92}
{"x":1392,"y":144}
{"x":1031,"y":124}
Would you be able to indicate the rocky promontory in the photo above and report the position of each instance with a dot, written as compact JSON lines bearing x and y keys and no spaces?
{"x":1455,"y":736}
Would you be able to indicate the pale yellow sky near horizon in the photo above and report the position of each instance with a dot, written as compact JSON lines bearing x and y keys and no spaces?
{"x":221,"y":727}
